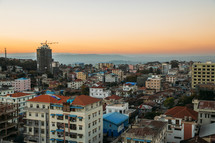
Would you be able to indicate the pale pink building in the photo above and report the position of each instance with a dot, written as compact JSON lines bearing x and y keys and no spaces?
{"x":22,"y":84}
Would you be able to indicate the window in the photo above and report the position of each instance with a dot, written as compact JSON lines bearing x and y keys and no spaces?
{"x":88,"y":133}
{"x":177,"y":137}
{"x":42,"y":115}
{"x":36,"y":114}
{"x":31,"y":105}
{"x":89,"y":117}
{"x":38,"y":106}
{"x":80,"y":127}
{"x":89,"y":125}
{"x":29,"y":114}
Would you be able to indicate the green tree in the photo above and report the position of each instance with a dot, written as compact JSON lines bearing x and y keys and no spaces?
{"x":84,"y":90}
{"x":169,"y":102}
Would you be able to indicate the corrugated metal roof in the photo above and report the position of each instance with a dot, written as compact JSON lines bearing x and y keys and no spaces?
{"x":115,"y":118}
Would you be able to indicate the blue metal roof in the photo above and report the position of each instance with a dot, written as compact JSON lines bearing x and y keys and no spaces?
{"x":59,"y":130}
{"x":115,"y":118}
{"x":50,"y":92}
{"x":22,"y":78}
{"x":132,"y":83}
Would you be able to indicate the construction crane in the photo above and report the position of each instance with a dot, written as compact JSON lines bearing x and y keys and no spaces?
{"x":46,"y":43}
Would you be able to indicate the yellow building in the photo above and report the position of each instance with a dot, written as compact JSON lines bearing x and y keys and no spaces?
{"x":203,"y":73}
{"x":81,"y":75}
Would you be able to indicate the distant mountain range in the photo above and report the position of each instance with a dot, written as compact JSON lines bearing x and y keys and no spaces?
{"x":67,"y":58}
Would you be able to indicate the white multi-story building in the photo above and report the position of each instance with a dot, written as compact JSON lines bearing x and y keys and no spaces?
{"x":22,"y":84}
{"x":206,"y":111}
{"x":99,"y":92}
{"x":165,"y":68}
{"x":181,"y":123}
{"x":117,"y":107}
{"x":154,"y":82}
{"x":75,"y":84}
{"x":171,"y":78}
{"x":56,"y":119}
{"x":18,"y":98}
{"x":6,"y":90}
{"x":6,"y":83}
{"x":111,"y":77}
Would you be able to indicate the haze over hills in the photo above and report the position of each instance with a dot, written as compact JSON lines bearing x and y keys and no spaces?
{"x":67,"y":58}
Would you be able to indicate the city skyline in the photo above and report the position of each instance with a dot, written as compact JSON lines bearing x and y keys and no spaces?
{"x":109,"y":27}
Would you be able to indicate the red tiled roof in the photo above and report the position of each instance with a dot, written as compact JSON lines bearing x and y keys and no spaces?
{"x":18,"y":94}
{"x":49,"y":99}
{"x":181,"y":112}
{"x":84,"y":100}
{"x":113,"y":97}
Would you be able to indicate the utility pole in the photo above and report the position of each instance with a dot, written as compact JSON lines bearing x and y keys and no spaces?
{"x":5,"y":53}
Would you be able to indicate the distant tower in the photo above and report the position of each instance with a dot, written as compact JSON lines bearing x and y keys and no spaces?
{"x":5,"y":53}
{"x":44,"y":58}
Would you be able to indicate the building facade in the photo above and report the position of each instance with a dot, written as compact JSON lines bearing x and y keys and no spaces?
{"x":181,"y":123}
{"x":99,"y":92}
{"x":56,"y":119}
{"x":203,"y":73}
{"x":206,"y":111}
{"x":154,"y":82}
{"x":22,"y":84}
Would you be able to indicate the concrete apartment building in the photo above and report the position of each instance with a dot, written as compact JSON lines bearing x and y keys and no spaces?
{"x":17,"y":98}
{"x":154,"y":82}
{"x":146,"y":131}
{"x":8,"y":118}
{"x":166,"y":67}
{"x":99,"y":92}
{"x":181,"y":123}
{"x":81,"y":75}
{"x":76,"y":84}
{"x":59,"y":119}
{"x":22,"y":84}
{"x":203,"y":73}
{"x":206,"y":111}
{"x":118,"y":72}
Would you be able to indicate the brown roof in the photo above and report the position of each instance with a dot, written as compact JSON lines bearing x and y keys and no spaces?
{"x":85,"y":100}
{"x":209,"y":105}
{"x":18,"y":94}
{"x":147,"y":127}
{"x":113,"y":97}
{"x":50,"y":99}
{"x":181,"y":112}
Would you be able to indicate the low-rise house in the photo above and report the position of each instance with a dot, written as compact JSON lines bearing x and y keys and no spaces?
{"x":114,"y":124}
{"x":145,"y":130}
{"x":206,"y":111}
{"x":182,"y":123}
{"x":130,"y":86}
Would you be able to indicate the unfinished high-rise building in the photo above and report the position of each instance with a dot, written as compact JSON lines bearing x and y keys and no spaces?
{"x":8,"y":121}
{"x":44,"y":58}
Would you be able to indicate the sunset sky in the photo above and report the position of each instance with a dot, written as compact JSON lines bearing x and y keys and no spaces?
{"x":109,"y":26}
